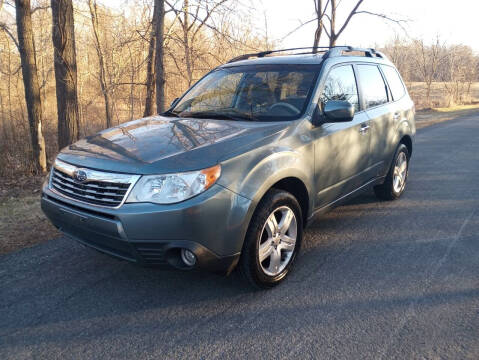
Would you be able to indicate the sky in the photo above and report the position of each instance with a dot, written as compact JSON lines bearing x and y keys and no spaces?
{"x":455,"y":21}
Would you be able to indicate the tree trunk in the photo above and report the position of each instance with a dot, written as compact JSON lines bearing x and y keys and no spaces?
{"x":186,"y":41}
{"x":9,"y":85}
{"x":428,"y":93}
{"x":63,"y":36}
{"x":133,"y":75}
{"x":150,"y":67}
{"x":101,"y":62}
{"x":159,"y":56}
{"x":319,"y":25}
{"x":30,"y":81}
{"x":332,"y":32}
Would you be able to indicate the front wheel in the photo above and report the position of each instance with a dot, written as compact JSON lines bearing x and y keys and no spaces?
{"x":273,"y":239}
{"x":395,"y":181}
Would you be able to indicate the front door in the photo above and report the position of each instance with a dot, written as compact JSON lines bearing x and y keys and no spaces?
{"x":341,"y":149}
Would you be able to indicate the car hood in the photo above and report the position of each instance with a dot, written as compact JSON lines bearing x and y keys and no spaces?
{"x":162,"y":144}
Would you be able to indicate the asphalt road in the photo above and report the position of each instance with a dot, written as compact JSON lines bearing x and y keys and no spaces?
{"x":375,"y":280}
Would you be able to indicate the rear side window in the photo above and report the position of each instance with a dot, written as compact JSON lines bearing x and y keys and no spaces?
{"x":373,"y":86}
{"x":395,"y":83}
{"x":341,"y":85}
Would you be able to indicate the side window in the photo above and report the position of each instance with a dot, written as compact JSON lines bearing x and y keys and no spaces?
{"x":395,"y":83}
{"x":341,"y":85}
{"x":373,"y":86}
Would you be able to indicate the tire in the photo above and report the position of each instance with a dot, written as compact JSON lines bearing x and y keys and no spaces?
{"x":278,"y":205}
{"x":398,"y":172}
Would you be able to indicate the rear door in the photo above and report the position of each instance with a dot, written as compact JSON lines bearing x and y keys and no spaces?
{"x":377,"y":102}
{"x":400,"y":107}
{"x":341,"y":149}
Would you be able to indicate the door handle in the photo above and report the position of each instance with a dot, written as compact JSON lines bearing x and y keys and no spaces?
{"x":364,"y":129}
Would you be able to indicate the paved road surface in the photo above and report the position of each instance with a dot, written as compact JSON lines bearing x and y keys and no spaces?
{"x":375,"y":280}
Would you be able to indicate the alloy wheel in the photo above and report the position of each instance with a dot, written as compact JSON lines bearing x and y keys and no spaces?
{"x":400,"y":173}
{"x":277,"y":241}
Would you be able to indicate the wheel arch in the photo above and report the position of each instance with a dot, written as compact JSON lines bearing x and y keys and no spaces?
{"x":407,"y":141}
{"x":298,"y":189}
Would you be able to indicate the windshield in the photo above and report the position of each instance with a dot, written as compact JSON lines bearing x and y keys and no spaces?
{"x":257,"y":93}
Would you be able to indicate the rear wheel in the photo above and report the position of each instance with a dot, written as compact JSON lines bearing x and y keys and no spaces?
{"x":273,"y":239}
{"x":395,"y":181}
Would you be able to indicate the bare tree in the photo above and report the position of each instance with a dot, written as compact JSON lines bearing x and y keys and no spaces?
{"x":458,"y":72}
{"x":332,"y":33}
{"x":63,"y":36}
{"x":318,"y":8}
{"x":428,"y":60}
{"x":400,"y":52}
{"x":105,"y":88}
{"x":329,"y":13}
{"x":5,"y":28}
{"x":159,"y":55}
{"x":194,"y":18}
{"x":150,"y":67}
{"x":30,"y":81}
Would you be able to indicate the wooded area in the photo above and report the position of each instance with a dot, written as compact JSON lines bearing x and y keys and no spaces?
{"x":69,"y":69}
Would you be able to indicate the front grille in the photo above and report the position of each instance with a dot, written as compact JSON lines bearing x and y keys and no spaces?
{"x":80,"y":208}
{"x":100,"y":188}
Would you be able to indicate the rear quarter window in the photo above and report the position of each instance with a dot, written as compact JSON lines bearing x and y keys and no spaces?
{"x":394,"y":80}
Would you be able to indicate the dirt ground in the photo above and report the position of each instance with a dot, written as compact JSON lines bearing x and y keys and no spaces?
{"x":23,"y":224}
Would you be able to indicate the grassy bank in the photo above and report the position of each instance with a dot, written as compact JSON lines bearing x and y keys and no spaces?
{"x":433,"y":116}
{"x":22,"y":223}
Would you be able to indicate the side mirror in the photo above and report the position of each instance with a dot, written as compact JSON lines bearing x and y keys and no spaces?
{"x":338,"y":111}
{"x":174,"y":102}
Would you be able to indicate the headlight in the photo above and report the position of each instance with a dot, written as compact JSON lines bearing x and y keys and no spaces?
{"x":173,"y":188}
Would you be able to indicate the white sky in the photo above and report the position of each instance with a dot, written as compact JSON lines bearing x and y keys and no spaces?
{"x":455,"y":21}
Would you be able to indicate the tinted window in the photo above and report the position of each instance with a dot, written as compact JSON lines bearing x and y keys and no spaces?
{"x":395,"y":83}
{"x":259,"y":93}
{"x":341,"y":85}
{"x":219,"y":93}
{"x":373,"y":85}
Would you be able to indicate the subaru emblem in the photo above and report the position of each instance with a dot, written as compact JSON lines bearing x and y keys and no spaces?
{"x":80,"y":175}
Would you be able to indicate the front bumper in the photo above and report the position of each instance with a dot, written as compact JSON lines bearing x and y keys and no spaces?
{"x":212,"y":225}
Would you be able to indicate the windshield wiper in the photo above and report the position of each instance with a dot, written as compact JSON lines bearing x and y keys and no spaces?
{"x":217,"y":115}
{"x":170,"y":113}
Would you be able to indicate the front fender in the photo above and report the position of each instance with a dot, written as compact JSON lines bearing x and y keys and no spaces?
{"x":251,"y":175}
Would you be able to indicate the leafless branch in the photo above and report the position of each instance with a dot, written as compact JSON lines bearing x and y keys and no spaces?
{"x":350,"y":16}
{"x":34,"y":10}
{"x":399,"y":22}
{"x":9,"y":33}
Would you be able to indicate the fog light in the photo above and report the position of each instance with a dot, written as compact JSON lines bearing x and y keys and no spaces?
{"x":188,"y":257}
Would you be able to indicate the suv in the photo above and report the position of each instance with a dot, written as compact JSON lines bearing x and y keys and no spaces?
{"x":233,"y":171}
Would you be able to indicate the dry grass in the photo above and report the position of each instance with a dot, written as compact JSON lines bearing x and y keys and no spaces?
{"x":439,"y":97}
{"x":429,"y":117}
{"x":22,"y":223}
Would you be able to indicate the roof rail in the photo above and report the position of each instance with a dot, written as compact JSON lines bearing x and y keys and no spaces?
{"x":368,"y":52}
{"x":326,"y":50}
{"x":268,"y":52}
